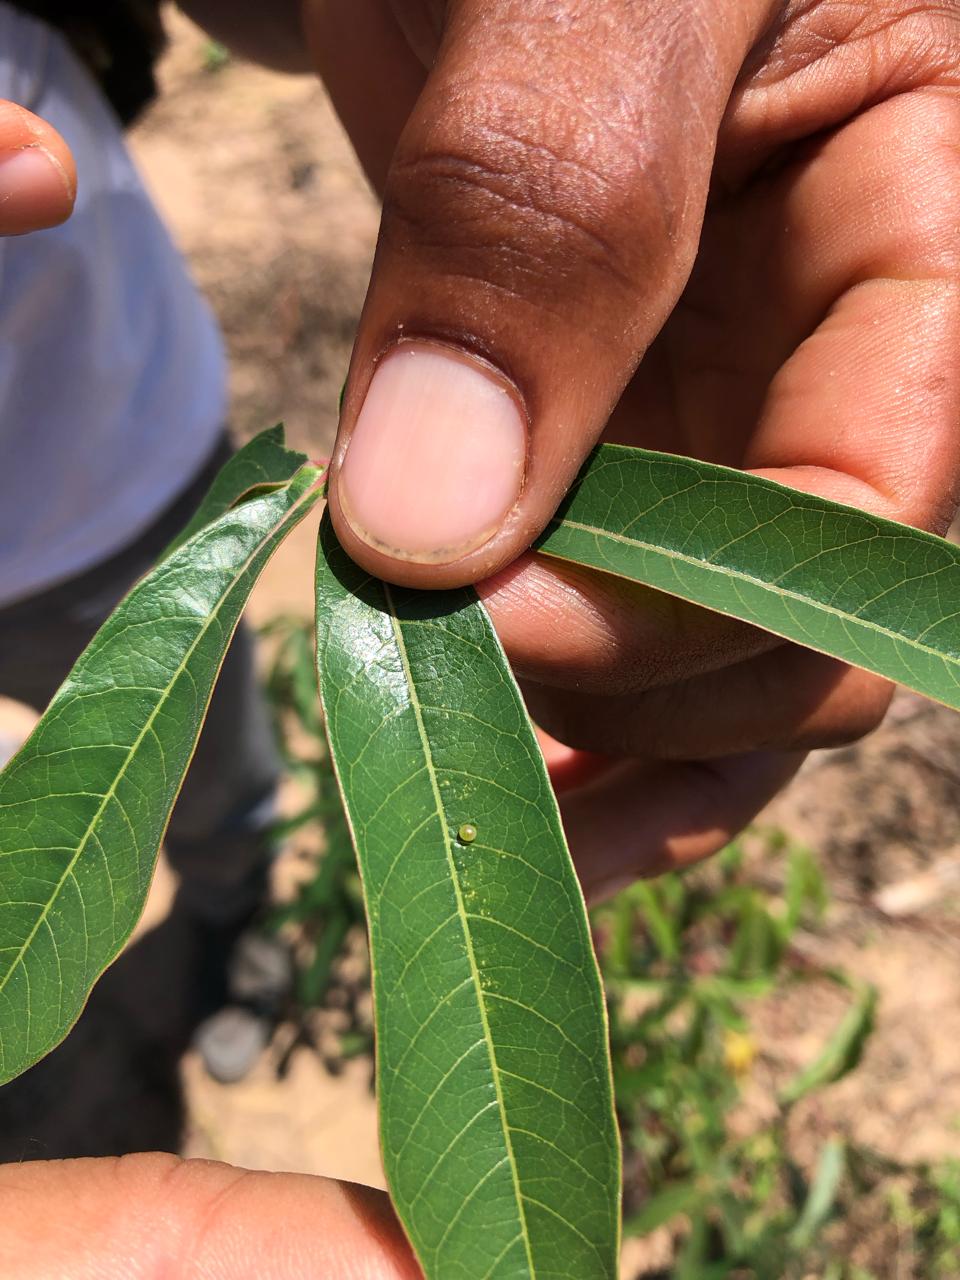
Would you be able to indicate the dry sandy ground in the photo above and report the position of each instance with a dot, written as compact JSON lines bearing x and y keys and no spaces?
{"x":263,"y":194}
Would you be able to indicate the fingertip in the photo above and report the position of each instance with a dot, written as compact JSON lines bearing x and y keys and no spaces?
{"x":36,"y":191}
{"x":38,"y":177}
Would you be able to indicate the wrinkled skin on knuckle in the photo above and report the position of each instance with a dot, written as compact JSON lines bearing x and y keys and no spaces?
{"x":824,"y":61}
{"x":907,"y":39}
{"x":556,"y":151}
{"x":503,"y":193}
{"x":910,"y":44}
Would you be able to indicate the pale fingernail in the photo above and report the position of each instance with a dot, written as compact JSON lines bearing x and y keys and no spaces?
{"x":436,"y":458}
{"x":34,"y":190}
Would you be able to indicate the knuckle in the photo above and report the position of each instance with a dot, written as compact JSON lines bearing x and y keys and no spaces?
{"x":517,"y":189}
{"x":825,"y":62}
{"x":923,"y":42}
{"x":896,"y":43}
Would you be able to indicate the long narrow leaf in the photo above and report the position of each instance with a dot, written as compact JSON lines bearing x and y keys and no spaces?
{"x":263,"y":461}
{"x":842,"y":1051}
{"x":84,"y":805}
{"x":821,"y":1199}
{"x":877,"y":594}
{"x":496,"y":1117}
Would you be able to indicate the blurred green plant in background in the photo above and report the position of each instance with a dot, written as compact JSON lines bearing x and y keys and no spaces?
{"x":722,"y":1192}
{"x":683,"y":957}
{"x":325,"y":914}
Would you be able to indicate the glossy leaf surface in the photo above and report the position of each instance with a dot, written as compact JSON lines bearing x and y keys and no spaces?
{"x":877,"y":594}
{"x":493,"y":1074}
{"x":85,"y":803}
{"x":265,"y":461}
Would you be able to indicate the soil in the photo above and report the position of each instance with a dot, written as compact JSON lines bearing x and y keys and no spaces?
{"x":265,"y":198}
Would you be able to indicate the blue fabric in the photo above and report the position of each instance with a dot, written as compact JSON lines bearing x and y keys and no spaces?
{"x":112,"y":374}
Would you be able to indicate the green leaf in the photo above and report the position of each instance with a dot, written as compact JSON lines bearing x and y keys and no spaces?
{"x":878,"y":594}
{"x":84,"y":804}
{"x":822,"y":1195}
{"x":757,"y":948}
{"x":806,"y":888}
{"x":664,"y":928}
{"x":721,"y":986}
{"x":692,"y":1264}
{"x":264,"y":462}
{"x":842,"y":1052}
{"x":496,"y":1114}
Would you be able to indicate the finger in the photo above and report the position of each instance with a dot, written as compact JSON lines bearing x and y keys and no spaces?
{"x":872,"y":200}
{"x":786,"y":700}
{"x":641,"y":819}
{"x":345,"y":35}
{"x":877,"y":391}
{"x":569,"y":627}
{"x":866,"y":409}
{"x":827,"y":63}
{"x":156,"y":1215}
{"x":541,"y":215}
{"x":38,"y":180}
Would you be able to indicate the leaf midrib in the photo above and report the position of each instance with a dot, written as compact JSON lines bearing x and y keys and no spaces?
{"x":462,"y":913}
{"x":739,"y":575}
{"x":135,"y":746}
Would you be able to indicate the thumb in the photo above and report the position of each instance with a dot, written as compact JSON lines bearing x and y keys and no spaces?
{"x":541,"y":215}
{"x":38,"y":180}
{"x":156,"y":1215}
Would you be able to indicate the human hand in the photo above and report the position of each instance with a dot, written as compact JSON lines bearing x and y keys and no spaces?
{"x":757,"y":200}
{"x":146,"y":1216}
{"x":38,"y":181}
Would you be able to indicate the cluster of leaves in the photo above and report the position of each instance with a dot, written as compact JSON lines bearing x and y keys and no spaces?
{"x":494,"y":1082}
{"x":684,"y":958}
